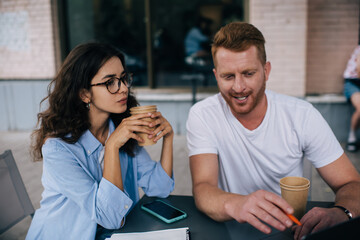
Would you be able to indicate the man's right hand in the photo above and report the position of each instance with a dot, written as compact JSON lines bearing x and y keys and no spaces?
{"x":258,"y":208}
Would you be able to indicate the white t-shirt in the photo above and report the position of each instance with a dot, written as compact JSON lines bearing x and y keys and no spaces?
{"x":350,"y":71}
{"x":258,"y":159}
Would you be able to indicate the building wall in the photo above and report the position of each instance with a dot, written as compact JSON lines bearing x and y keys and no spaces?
{"x":308,"y":42}
{"x":333,"y":32}
{"x":26,"y":40}
{"x":291,"y":29}
{"x":284,"y":26}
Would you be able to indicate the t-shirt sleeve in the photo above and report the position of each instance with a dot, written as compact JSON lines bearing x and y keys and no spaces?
{"x":200,"y":137}
{"x":320,"y":145}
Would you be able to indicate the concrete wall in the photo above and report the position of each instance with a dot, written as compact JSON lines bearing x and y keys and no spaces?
{"x":336,"y":113}
{"x":19,"y":104}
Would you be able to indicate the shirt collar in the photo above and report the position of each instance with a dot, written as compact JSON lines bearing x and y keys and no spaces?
{"x":89,"y":141}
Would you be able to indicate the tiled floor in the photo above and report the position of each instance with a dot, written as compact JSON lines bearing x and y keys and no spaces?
{"x":31,"y":172}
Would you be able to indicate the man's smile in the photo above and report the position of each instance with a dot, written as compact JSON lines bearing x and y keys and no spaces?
{"x":241,"y":98}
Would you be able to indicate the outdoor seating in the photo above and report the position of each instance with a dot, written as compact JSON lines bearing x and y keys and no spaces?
{"x":15,"y":203}
{"x":197,"y":71}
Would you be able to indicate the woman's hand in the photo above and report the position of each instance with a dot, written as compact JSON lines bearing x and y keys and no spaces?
{"x":162,"y":127}
{"x":127,"y":129}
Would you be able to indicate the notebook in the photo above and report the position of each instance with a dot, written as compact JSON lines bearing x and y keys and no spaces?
{"x":173,"y":234}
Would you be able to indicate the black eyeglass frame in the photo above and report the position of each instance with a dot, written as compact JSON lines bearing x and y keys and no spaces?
{"x":127,"y":80}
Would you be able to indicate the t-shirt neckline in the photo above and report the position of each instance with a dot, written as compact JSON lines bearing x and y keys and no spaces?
{"x":238,"y":123}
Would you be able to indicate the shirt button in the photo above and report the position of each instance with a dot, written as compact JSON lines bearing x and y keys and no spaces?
{"x":126,"y":206}
{"x":89,"y":152}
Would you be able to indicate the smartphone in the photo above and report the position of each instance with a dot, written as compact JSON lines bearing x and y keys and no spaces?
{"x":164,"y":211}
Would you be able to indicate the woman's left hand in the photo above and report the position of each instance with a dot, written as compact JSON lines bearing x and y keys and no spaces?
{"x":162,"y":127}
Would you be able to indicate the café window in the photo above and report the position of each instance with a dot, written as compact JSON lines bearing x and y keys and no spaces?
{"x":158,"y":37}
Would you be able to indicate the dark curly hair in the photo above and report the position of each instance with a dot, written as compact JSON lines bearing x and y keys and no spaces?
{"x":67,"y":116}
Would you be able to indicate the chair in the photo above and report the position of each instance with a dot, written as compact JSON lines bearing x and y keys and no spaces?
{"x":196,"y":69}
{"x":15,"y":203}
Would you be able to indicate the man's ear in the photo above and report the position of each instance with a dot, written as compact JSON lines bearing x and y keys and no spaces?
{"x":85,"y":95}
{"x":215,"y":73}
{"x":267,"y":69}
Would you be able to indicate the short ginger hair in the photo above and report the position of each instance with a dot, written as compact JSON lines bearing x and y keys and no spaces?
{"x":238,"y":37}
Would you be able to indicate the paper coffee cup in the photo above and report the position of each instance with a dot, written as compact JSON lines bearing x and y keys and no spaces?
{"x":294,"y":182}
{"x":295,"y":191}
{"x":140,"y":110}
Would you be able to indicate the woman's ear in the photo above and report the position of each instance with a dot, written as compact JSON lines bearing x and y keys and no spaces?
{"x":85,"y":95}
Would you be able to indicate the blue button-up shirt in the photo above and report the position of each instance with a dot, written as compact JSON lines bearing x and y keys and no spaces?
{"x":76,"y":197}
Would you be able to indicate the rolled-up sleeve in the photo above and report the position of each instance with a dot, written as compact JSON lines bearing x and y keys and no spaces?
{"x":113,"y":203}
{"x":151,"y":177}
{"x":103,"y":201}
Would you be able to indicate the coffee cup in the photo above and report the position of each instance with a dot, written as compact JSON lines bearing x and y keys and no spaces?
{"x":295,"y":191}
{"x":140,"y":110}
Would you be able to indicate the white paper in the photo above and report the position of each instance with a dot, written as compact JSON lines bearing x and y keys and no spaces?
{"x":173,"y":234}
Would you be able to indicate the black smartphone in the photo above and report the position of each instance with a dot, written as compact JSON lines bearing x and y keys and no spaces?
{"x":164,"y":211}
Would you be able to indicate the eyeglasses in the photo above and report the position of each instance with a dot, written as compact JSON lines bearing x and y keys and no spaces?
{"x":114,"y":83}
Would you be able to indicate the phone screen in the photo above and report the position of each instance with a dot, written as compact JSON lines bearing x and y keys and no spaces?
{"x":163,"y":209}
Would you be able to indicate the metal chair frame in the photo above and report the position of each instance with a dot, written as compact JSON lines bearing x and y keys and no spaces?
{"x":15,"y":203}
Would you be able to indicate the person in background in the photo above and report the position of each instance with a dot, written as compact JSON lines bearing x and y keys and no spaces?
{"x":243,"y":140}
{"x":352,"y":94}
{"x":197,"y":42}
{"x":92,"y":163}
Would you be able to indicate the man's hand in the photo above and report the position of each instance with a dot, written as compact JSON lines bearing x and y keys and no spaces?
{"x":344,"y":180}
{"x":317,"y":219}
{"x":258,"y":208}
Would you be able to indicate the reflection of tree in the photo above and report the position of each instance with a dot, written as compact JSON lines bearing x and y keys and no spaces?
{"x":116,"y":22}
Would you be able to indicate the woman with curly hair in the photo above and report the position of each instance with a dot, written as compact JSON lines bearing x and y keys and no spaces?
{"x":92,"y":163}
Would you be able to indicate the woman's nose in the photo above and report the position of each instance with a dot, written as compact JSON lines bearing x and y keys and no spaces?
{"x":123,"y":88}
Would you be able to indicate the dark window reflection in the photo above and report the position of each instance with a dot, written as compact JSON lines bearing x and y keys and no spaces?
{"x":122,"y":23}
